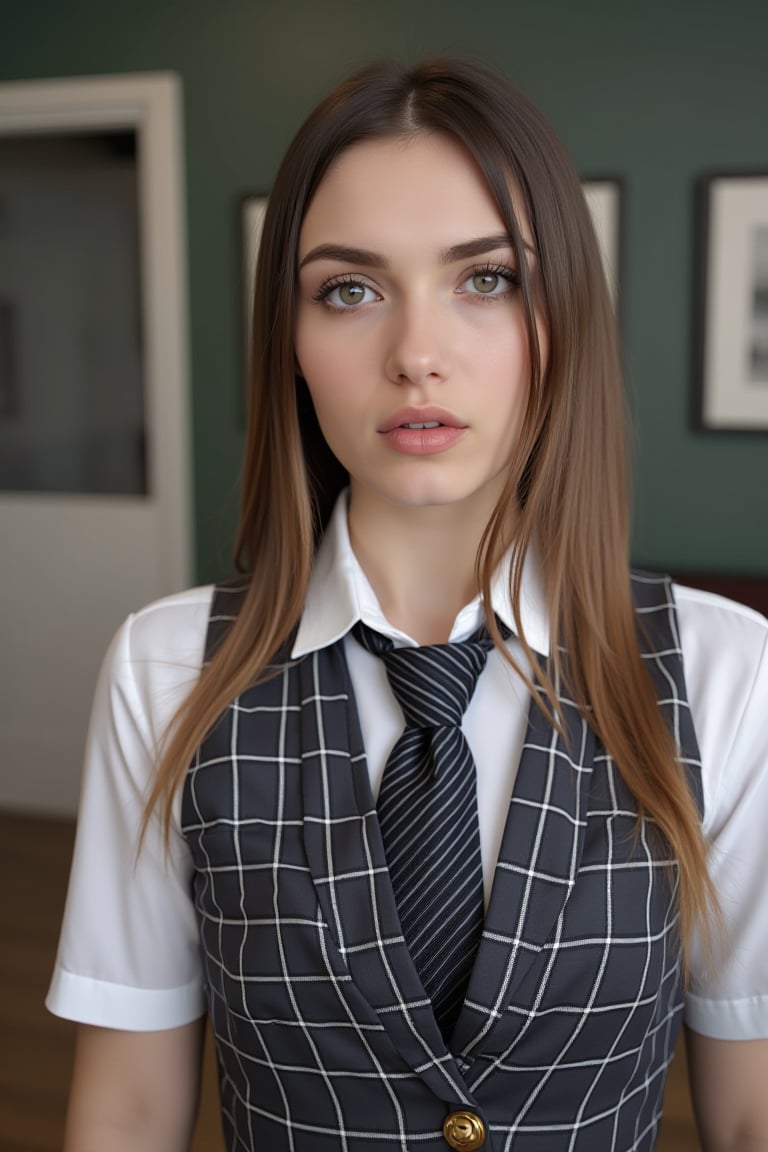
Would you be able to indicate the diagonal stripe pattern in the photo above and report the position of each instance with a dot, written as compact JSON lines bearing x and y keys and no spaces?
{"x":427,"y":810}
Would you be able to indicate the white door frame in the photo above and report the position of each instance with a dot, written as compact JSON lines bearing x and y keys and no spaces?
{"x":150,"y":104}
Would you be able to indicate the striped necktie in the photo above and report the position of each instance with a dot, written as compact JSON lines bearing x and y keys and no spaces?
{"x":427,"y":811}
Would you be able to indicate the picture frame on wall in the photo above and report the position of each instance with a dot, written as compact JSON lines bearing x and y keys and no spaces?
{"x":252,"y":211}
{"x":604,"y":196}
{"x":731,"y":331}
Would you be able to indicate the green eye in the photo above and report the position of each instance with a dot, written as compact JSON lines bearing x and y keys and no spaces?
{"x":493,"y":282}
{"x":485,"y":282}
{"x":350,"y":293}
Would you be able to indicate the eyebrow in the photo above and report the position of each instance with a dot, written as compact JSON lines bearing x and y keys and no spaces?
{"x":368,"y":259}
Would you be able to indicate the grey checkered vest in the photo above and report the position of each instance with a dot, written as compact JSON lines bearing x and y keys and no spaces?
{"x":324,"y":1036}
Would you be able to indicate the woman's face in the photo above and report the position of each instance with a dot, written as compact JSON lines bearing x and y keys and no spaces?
{"x":410,"y":329}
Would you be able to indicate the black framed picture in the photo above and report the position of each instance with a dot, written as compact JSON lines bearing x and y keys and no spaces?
{"x":731,"y":323}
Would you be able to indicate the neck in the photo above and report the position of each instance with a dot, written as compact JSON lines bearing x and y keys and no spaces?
{"x":420,"y":561}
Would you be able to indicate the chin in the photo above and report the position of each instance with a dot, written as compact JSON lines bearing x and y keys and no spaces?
{"x":434,"y":492}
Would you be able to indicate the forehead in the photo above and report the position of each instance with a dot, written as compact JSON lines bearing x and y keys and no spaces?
{"x":419,"y":188}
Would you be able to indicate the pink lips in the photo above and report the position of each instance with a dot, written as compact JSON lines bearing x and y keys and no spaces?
{"x":444,"y":432}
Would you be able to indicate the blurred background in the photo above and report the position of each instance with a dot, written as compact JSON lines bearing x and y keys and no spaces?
{"x":122,"y":360}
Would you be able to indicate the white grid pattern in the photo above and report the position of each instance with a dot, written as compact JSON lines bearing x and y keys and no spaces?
{"x":326,"y":1039}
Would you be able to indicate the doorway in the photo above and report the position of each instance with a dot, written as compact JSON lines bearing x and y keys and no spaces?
{"x":94,"y":437}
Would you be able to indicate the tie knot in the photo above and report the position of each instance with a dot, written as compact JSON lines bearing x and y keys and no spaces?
{"x":434,"y":683}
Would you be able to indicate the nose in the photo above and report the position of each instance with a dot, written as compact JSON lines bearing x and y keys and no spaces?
{"x":418,"y":344}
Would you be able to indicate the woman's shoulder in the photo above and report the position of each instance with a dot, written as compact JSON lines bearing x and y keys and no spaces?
{"x":171,"y":628}
{"x":725,"y":661}
{"x":724,"y":643}
{"x":654,"y":591}
{"x":716,"y":629}
{"x":713,"y":607}
{"x":153,"y":661}
{"x":724,"y":647}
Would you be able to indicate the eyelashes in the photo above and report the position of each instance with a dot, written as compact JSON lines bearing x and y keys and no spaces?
{"x":491,"y":277}
{"x":348,"y":291}
{"x":348,"y":285}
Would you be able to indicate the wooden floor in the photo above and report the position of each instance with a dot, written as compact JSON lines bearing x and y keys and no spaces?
{"x":36,"y":1048}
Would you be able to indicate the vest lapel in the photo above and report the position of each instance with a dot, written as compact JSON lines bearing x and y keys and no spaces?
{"x":536,"y":870}
{"x":346,"y":858}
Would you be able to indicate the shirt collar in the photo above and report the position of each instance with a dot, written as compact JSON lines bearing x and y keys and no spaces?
{"x":340,"y":594}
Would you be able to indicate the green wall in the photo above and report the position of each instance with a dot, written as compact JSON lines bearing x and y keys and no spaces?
{"x":657,"y":93}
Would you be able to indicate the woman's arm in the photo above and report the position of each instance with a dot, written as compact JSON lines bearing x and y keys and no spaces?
{"x":729,"y":1087}
{"x":134,"y":1090}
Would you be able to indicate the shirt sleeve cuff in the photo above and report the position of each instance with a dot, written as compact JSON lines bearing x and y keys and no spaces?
{"x":91,"y":1001}
{"x":745,"y":1019}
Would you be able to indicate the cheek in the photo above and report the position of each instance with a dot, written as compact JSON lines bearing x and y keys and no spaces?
{"x":332,"y":398}
{"x":339,"y":383}
{"x":504,"y":369}
{"x":311,"y":357}
{"x":326,"y":359}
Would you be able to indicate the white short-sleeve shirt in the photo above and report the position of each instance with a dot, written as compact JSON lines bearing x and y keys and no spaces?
{"x":129,"y":954}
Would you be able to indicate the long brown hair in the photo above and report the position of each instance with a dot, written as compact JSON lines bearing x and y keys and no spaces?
{"x":569,"y":476}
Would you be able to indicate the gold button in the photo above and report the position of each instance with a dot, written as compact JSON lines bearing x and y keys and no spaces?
{"x":464,"y":1131}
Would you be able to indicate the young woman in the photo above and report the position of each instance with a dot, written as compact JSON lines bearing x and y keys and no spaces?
{"x":434,"y":490}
